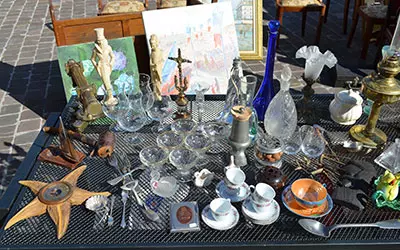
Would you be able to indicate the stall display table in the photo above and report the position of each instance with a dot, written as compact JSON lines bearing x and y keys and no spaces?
{"x":39,"y":232}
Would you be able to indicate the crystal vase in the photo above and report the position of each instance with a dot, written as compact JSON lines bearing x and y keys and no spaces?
{"x":266,"y":91}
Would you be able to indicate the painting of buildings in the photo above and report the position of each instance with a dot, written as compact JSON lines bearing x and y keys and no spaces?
{"x":205,"y":34}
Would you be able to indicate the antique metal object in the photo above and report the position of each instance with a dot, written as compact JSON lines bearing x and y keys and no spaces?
{"x":91,"y":108}
{"x":239,"y":138}
{"x":181,"y":85}
{"x":64,"y":155}
{"x":55,"y":198}
{"x":104,"y":147}
{"x":382,"y":88}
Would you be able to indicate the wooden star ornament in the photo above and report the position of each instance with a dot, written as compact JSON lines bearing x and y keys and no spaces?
{"x":55,"y":198}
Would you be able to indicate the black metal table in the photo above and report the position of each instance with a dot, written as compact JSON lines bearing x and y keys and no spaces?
{"x":39,"y":232}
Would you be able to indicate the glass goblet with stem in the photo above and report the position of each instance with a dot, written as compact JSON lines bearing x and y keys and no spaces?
{"x":313,"y":144}
{"x":154,"y":157}
{"x":183,"y":159}
{"x":183,"y":126}
{"x":159,"y":112}
{"x":112,"y":110}
{"x":217,"y":131}
{"x":148,"y":96}
{"x":200,"y":143}
{"x":169,"y":140}
{"x":201,"y":87}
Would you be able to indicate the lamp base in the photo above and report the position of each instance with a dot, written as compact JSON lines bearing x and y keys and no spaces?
{"x":358,"y":133}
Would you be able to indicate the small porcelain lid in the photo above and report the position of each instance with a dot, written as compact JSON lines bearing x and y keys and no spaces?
{"x":268,"y":144}
{"x":349,"y":97}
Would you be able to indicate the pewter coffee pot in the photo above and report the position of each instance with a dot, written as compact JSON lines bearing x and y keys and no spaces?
{"x":239,"y":138}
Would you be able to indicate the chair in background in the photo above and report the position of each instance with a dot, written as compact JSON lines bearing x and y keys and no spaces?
{"x":371,"y":15}
{"x":303,"y":6}
{"x":388,"y":28}
{"x":357,"y":4}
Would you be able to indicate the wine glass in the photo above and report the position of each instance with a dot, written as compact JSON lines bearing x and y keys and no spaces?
{"x":148,"y":96}
{"x":183,"y":159}
{"x":112,"y":111}
{"x":159,"y":112}
{"x":216,"y":131}
{"x":313,"y":144}
{"x":200,"y":143}
{"x":201,"y":87}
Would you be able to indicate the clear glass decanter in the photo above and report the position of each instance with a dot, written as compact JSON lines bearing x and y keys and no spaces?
{"x":281,"y":116}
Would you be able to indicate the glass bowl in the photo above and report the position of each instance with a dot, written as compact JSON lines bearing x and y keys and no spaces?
{"x":183,"y":159}
{"x":153,"y":157}
{"x":183,"y":126}
{"x":169,"y":140}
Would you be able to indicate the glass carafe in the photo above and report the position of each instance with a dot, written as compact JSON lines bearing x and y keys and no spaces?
{"x":281,"y":116}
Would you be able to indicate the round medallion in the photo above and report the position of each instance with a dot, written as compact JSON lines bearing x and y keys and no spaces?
{"x":184,"y":214}
{"x":55,"y":193}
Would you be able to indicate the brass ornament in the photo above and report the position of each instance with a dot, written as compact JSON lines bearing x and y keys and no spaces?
{"x":382,"y":88}
{"x":55,"y":198}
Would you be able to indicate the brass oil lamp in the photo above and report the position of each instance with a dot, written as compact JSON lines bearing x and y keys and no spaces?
{"x":382,"y":88}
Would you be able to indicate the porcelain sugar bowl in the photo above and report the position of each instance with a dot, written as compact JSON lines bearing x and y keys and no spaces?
{"x":346,"y":108}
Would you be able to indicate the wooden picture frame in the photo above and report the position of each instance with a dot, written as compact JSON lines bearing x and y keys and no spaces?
{"x":246,"y":37}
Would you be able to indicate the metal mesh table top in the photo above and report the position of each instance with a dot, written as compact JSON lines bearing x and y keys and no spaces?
{"x":39,"y":232}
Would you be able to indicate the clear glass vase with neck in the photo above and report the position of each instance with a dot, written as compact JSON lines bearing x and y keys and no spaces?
{"x":266,"y":90}
{"x":246,"y":95}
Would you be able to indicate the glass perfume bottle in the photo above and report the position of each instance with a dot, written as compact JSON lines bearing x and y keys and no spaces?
{"x":281,"y":116}
{"x":266,"y":91}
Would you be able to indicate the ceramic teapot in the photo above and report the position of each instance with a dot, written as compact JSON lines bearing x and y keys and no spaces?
{"x":346,"y":108}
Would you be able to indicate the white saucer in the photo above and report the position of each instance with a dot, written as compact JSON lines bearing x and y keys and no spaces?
{"x":210,"y":221}
{"x":244,"y":192}
{"x":265,"y":218}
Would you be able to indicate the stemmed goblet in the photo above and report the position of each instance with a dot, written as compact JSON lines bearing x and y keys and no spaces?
{"x":216,"y":131}
{"x":200,"y":143}
{"x":169,"y":140}
{"x":112,"y":110}
{"x":183,"y":159}
{"x":183,"y":126}
{"x":159,"y":112}
{"x":153,"y":157}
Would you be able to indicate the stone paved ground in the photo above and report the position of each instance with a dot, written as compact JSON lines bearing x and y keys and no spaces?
{"x":30,"y":83}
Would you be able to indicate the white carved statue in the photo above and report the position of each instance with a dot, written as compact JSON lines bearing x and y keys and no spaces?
{"x":156,"y":64}
{"x":103,"y":60}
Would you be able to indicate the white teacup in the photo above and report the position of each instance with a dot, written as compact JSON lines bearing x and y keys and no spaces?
{"x":220,"y":208}
{"x":234,"y":179}
{"x":262,"y":197}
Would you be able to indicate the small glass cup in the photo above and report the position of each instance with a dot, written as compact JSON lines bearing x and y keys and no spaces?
{"x":163,"y":186}
{"x":313,"y":144}
{"x":153,"y":157}
{"x":292,"y":145}
{"x":169,"y":140}
{"x":183,"y":159}
{"x":200,"y":143}
{"x":216,"y":131}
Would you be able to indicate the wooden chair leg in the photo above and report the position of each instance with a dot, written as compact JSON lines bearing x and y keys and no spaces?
{"x":366,"y":38}
{"x":279,"y":16}
{"x":319,"y":28}
{"x":328,"y":3}
{"x":345,"y":15}
{"x":303,"y":23}
{"x":353,"y":30}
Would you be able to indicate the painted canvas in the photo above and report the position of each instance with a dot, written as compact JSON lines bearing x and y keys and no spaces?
{"x":125,"y":69}
{"x":205,"y":34}
{"x":248,"y":21}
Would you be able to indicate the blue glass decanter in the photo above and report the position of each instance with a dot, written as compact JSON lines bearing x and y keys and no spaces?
{"x":266,"y":91}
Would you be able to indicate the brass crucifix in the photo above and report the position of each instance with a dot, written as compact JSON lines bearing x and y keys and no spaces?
{"x":181,"y":86}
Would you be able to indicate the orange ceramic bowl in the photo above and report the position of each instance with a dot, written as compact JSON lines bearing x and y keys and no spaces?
{"x":309,"y":193}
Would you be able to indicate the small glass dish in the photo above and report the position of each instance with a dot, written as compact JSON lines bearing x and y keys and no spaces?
{"x":153,"y":157}
{"x":183,"y":159}
{"x":169,"y":140}
{"x":184,"y":126}
{"x":163,"y":186}
{"x":200,"y":143}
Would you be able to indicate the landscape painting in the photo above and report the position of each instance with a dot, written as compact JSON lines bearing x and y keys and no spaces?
{"x":125,"y":69}
{"x":205,"y":34}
